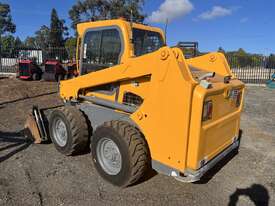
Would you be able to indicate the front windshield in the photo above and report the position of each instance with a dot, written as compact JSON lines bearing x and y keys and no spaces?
{"x":146,"y":41}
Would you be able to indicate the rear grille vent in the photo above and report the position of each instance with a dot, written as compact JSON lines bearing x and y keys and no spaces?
{"x":24,"y":69}
{"x":131,"y":99}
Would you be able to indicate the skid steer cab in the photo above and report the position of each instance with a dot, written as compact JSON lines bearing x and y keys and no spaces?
{"x":29,"y":70}
{"x":141,"y":105}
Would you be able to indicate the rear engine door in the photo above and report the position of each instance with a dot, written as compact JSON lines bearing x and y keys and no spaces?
{"x":215,"y":120}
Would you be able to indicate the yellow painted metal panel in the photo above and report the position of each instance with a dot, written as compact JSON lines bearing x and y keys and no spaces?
{"x":209,"y":138}
{"x":170,"y":116}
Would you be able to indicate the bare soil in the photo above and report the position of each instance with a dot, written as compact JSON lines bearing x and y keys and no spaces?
{"x":39,"y":175}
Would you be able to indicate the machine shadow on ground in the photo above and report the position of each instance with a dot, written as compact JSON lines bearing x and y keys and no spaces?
{"x":257,"y":193}
{"x":11,"y":143}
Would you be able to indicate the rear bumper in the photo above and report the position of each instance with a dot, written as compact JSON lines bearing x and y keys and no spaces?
{"x":193,"y":176}
{"x":24,"y":77}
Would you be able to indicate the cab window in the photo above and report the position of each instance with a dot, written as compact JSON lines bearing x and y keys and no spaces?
{"x":146,"y":41}
{"x":101,"y":49}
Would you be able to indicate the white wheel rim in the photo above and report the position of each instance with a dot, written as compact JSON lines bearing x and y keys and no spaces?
{"x":60,"y":133}
{"x":109,"y":156}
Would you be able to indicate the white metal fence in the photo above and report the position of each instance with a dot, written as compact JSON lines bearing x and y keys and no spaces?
{"x":249,"y":69}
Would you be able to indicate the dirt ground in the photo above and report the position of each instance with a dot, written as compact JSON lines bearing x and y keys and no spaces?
{"x":39,"y":175}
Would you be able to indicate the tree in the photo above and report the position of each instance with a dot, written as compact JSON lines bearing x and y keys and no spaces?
{"x":241,"y":52}
{"x":6,"y":24}
{"x":30,"y":42}
{"x":10,"y":46}
{"x":18,"y":43}
{"x":92,"y":10}
{"x":70,"y":46}
{"x":42,"y":37}
{"x":126,"y":8}
{"x":47,"y":37}
{"x":270,"y":63}
{"x":241,"y":58}
{"x":57,"y":30}
{"x":40,"y":40}
{"x":256,"y":60}
{"x":7,"y":46}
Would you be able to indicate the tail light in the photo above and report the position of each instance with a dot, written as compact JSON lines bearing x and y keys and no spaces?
{"x":207,"y":110}
{"x":236,"y":96}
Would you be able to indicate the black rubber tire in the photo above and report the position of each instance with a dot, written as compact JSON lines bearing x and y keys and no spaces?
{"x":77,"y":130}
{"x":39,"y":77}
{"x":35,"y":76}
{"x":44,"y":78}
{"x":60,"y":77}
{"x":133,"y":149}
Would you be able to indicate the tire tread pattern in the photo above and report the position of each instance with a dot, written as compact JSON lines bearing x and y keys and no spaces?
{"x":138,"y":149}
{"x":79,"y":129}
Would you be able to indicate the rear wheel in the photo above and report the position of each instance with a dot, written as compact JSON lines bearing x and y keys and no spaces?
{"x":44,"y":77}
{"x":35,"y":77}
{"x":120,"y":153}
{"x":69,"y":130}
{"x":39,"y":76}
{"x":60,"y":77}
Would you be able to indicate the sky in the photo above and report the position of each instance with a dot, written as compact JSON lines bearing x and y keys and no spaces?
{"x":231,"y":24}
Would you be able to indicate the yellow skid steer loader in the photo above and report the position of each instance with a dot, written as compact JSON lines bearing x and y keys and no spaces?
{"x":140,"y":104}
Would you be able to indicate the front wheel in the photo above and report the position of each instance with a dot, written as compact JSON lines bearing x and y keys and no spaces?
{"x":120,"y":153}
{"x":69,"y":130}
{"x":35,"y":76}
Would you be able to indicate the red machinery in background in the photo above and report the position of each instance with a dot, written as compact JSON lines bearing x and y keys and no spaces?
{"x":29,"y":70}
{"x":56,"y":71}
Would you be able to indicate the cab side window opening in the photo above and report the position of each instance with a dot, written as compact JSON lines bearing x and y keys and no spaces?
{"x":101,"y":49}
{"x":111,"y":47}
{"x":146,"y":41}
